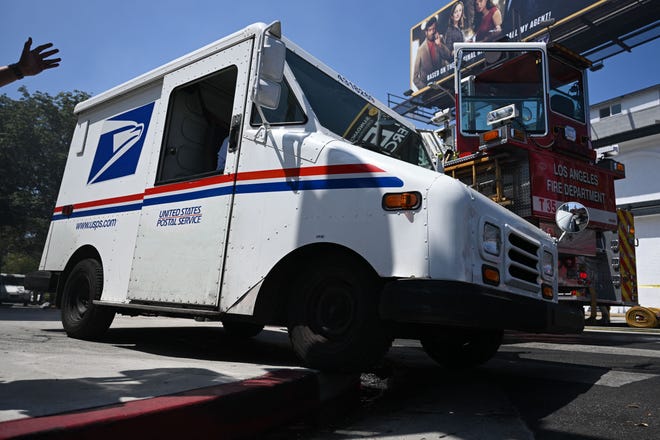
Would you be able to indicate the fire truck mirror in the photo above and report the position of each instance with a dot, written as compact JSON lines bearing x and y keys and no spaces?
{"x":572,"y":217}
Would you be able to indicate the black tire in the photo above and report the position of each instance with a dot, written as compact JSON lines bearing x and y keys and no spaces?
{"x":243,"y":330}
{"x":333,"y":316}
{"x":80,"y":317}
{"x":456,"y":348}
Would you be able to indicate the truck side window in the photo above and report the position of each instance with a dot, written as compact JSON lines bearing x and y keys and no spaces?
{"x":288,"y":112}
{"x":566,"y":90}
{"x":198,"y":122}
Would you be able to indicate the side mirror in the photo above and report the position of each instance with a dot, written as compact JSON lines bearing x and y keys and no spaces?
{"x":268,"y":94}
{"x":271,"y":72}
{"x":273,"y":56}
{"x":572,"y":217}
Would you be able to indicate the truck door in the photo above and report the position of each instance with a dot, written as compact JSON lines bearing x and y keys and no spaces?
{"x":184,"y":221}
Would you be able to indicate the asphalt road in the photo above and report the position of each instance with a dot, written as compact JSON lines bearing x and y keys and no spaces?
{"x":604,"y":384}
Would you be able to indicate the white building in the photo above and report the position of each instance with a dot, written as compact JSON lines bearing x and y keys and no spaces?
{"x":632,"y":122}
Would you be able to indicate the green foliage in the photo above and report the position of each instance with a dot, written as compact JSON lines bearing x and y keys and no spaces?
{"x":35,"y":133}
{"x":19,"y":262}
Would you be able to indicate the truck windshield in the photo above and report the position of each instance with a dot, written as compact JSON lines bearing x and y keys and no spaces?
{"x":352,"y":114}
{"x":498,"y":80}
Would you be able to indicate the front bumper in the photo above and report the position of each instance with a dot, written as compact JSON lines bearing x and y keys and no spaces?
{"x":459,"y":304}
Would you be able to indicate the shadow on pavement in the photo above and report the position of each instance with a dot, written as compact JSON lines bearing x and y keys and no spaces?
{"x":47,"y":396}
{"x":420,"y":398}
{"x":205,"y":343}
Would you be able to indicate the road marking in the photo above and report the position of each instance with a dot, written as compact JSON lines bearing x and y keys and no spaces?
{"x":616,"y":379}
{"x":596,"y":349}
{"x":587,"y":374}
{"x":625,"y":331}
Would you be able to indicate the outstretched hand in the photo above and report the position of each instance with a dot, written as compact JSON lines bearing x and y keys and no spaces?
{"x":33,"y":61}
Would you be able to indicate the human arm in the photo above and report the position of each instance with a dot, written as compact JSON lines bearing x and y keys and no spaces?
{"x":32,"y":62}
{"x":497,"y":20}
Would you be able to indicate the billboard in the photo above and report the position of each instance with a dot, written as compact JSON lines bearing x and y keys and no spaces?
{"x":432,"y":40}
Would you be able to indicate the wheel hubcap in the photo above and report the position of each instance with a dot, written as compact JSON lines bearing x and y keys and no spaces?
{"x":334,"y":311}
{"x":81,"y":301}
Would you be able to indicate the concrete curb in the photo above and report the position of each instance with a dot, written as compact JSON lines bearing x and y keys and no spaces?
{"x":233,"y":410}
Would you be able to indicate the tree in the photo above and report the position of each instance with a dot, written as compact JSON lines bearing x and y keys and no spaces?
{"x":35,"y":133}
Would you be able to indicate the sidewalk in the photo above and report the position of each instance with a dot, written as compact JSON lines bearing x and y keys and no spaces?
{"x":233,"y":410}
{"x":160,"y":377}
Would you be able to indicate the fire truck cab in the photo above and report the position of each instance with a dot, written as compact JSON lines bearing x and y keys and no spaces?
{"x":522,"y":139}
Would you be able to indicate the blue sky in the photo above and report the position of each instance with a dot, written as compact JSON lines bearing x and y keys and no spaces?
{"x":103,"y":44}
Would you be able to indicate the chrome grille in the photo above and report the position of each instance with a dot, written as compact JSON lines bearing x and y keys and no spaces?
{"x":522,"y":262}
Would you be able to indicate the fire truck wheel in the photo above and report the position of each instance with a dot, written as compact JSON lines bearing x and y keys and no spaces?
{"x":462,"y":348}
{"x":241,"y":330}
{"x":80,"y":317}
{"x":333,"y":317}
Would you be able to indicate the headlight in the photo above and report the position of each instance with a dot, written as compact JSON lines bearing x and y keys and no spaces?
{"x":548,"y":265}
{"x":492,"y":242}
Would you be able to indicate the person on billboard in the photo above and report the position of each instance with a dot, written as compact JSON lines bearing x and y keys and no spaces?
{"x":487,"y":21}
{"x":454,"y":32}
{"x":431,"y":55}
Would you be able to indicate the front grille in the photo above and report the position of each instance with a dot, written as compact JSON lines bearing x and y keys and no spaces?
{"x":522,"y":261}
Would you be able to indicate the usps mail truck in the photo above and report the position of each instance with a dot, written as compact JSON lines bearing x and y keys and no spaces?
{"x":249,"y":183}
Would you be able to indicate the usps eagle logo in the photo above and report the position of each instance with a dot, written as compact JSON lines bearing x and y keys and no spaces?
{"x":120,"y":145}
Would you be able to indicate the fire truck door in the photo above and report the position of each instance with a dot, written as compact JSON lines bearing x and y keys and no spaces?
{"x":180,"y":247}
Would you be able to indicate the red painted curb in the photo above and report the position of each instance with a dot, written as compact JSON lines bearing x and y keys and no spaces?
{"x":232,"y":410}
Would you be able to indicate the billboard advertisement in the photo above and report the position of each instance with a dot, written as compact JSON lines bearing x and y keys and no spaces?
{"x":432,"y":39}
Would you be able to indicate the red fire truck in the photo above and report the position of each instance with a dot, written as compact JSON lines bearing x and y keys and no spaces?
{"x":520,"y":132}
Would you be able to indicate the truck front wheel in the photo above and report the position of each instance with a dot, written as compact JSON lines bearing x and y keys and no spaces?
{"x":333,"y":316}
{"x":461,"y":347}
{"x":81,"y":318}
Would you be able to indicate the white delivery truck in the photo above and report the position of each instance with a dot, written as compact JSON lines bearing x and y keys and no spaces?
{"x":249,"y":183}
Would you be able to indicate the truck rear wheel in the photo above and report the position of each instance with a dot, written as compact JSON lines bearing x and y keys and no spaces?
{"x":333,"y":316}
{"x":462,"y":348}
{"x":80,"y":317}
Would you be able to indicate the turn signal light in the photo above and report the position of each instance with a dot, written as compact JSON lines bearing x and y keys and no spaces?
{"x":406,"y":201}
{"x":490,"y":136}
{"x":547,"y":292}
{"x":518,"y":135}
{"x":490,"y":275}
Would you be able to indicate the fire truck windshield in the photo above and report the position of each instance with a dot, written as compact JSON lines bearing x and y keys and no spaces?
{"x":499,"y":79}
{"x":351,"y":113}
